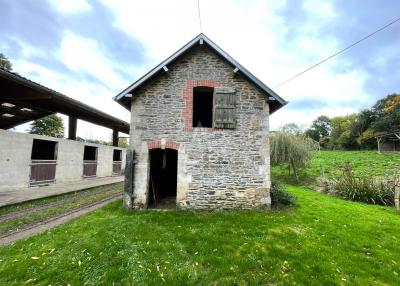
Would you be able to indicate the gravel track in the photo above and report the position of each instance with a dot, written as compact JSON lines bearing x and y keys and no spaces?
{"x":39,"y":226}
{"x":34,"y":209}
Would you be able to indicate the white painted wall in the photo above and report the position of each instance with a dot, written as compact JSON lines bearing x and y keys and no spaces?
{"x":15,"y":158}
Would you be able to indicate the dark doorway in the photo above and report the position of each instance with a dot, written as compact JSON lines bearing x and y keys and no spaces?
{"x":43,"y":162}
{"x":163,"y":178}
{"x":90,"y":161}
{"x":117,"y":164}
{"x":203,"y":106}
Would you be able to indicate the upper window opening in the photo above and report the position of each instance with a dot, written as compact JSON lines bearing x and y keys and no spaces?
{"x":90,"y":153}
{"x":117,"y":155}
{"x":44,"y":150}
{"x":203,"y":106}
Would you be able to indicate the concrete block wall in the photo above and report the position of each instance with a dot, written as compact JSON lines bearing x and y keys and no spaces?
{"x":15,"y":159}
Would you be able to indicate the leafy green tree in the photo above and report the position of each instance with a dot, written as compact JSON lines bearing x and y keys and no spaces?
{"x":319,"y":130}
{"x":341,"y":136}
{"x":386,"y":114}
{"x":51,"y":125}
{"x":360,"y":129}
{"x":123,"y":143}
{"x":291,"y":149}
{"x":5,"y":63}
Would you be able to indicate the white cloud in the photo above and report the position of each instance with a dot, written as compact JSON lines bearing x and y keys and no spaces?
{"x":84,"y":55}
{"x":70,"y":6}
{"x":253,"y":35}
{"x":251,"y":32}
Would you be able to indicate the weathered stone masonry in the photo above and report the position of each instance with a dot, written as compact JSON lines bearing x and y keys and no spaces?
{"x":217,"y":168}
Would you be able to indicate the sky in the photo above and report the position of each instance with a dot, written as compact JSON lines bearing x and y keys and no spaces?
{"x":92,"y":50}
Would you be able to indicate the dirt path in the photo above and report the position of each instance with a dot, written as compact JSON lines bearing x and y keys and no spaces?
{"x":37,"y":227}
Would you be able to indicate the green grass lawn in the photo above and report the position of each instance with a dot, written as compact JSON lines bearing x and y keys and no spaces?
{"x":363,"y":163}
{"x":321,"y":241}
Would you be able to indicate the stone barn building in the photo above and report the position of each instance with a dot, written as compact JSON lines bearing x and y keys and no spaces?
{"x":199,"y":132}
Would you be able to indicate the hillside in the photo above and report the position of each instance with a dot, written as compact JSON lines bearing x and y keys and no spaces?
{"x":330,"y":163}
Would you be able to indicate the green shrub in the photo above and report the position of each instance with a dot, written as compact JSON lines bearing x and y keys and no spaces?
{"x":292,"y":150}
{"x":281,"y":198}
{"x":369,"y":190}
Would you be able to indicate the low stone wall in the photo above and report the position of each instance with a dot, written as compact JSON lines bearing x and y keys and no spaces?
{"x":226,"y":199}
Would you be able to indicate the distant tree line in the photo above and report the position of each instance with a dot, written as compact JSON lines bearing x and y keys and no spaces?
{"x":357,"y":130}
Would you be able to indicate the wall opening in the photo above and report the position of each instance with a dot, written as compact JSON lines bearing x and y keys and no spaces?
{"x":163,"y":178}
{"x":44,"y":150}
{"x":90,"y":161}
{"x":117,"y":155}
{"x":43,"y":162}
{"x":203,"y":106}
{"x":90,"y":153}
{"x":117,"y":162}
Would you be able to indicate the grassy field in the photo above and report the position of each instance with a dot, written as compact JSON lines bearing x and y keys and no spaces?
{"x":329,"y":163}
{"x":321,"y":241}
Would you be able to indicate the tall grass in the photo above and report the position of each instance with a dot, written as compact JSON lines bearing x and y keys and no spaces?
{"x":371,"y":190}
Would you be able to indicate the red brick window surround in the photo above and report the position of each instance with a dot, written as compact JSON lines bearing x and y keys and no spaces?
{"x":156,"y":144}
{"x":187,"y":94}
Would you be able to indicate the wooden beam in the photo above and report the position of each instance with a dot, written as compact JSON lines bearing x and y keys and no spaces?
{"x":201,"y":41}
{"x":236,"y":70}
{"x":165,"y":68}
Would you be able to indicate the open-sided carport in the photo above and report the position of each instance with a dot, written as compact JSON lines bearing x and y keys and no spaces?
{"x":22,"y":100}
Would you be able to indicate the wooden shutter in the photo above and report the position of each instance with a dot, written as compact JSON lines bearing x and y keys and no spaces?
{"x":224,"y":108}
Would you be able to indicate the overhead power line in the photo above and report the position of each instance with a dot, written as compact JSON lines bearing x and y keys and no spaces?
{"x":337,"y":53}
{"x":198,"y":8}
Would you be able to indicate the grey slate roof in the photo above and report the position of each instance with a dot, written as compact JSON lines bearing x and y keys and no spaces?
{"x":275,"y":100}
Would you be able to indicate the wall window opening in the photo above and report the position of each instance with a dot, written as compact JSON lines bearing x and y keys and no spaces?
{"x":203,"y":107}
{"x":117,"y":155}
{"x":90,"y":153}
{"x":43,"y":150}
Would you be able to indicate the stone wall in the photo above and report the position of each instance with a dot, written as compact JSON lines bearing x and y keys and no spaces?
{"x":217,"y":168}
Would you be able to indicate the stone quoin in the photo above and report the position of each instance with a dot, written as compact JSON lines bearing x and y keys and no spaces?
{"x":199,"y":131}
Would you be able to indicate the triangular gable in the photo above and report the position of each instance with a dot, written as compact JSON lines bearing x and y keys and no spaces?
{"x":275,"y":100}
